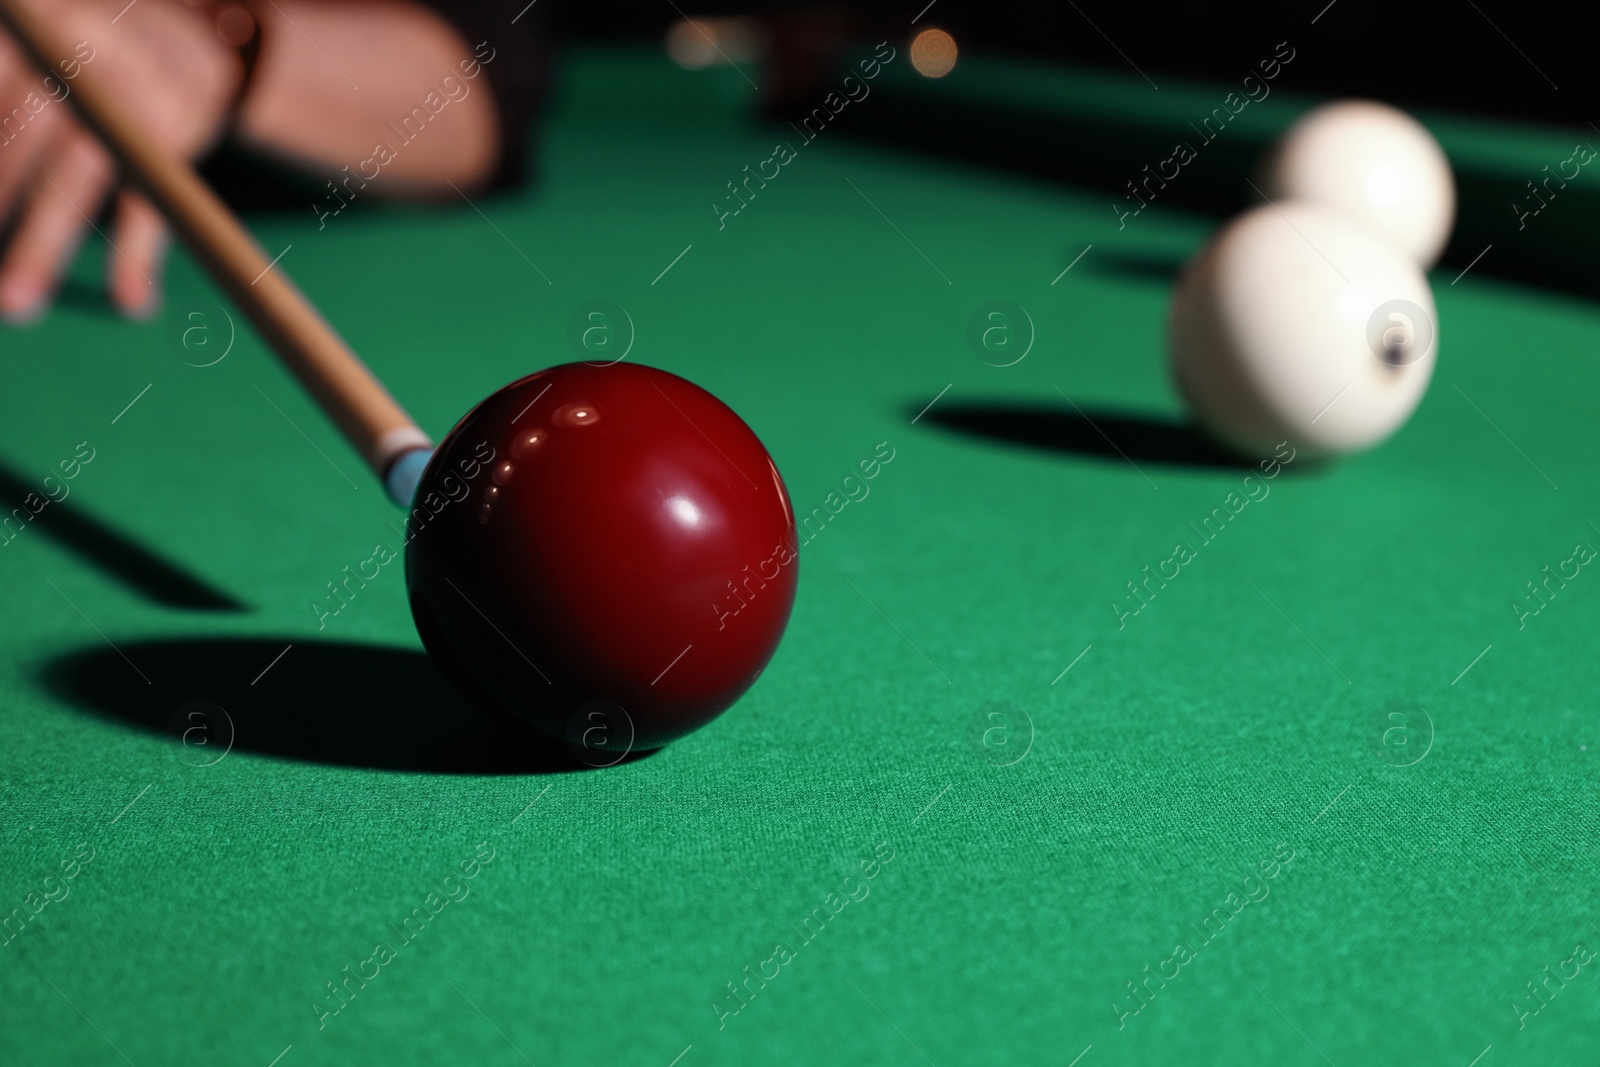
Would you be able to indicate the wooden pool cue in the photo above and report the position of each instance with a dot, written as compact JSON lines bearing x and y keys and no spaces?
{"x":370,"y":419}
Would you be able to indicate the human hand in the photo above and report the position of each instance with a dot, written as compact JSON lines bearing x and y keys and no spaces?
{"x":163,"y":60}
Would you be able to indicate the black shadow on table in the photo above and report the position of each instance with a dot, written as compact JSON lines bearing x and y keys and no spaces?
{"x":1103,"y":434}
{"x":1163,"y":268}
{"x":1111,"y":155}
{"x":113,"y":552}
{"x":86,"y":298}
{"x":321,"y":702}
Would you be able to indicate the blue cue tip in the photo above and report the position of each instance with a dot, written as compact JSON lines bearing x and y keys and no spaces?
{"x":404,"y":474}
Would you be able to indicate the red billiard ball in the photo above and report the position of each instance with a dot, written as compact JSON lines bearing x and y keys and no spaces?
{"x":605,"y":551}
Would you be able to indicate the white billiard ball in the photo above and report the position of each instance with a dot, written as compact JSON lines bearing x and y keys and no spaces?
{"x":1373,"y":162}
{"x":1296,"y":325}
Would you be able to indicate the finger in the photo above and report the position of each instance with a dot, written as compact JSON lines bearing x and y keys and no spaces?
{"x":70,"y":186}
{"x":133,"y":264}
{"x":25,"y":135}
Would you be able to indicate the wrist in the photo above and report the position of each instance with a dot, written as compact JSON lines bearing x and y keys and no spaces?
{"x":239,"y":27}
{"x":236,"y":27}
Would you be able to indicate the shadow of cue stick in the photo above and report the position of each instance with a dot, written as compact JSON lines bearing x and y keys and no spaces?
{"x":114,"y":553}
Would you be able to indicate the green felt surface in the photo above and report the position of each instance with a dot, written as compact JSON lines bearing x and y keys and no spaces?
{"x":1234,"y":713}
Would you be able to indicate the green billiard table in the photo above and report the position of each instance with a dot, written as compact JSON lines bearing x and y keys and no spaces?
{"x":1086,"y":744}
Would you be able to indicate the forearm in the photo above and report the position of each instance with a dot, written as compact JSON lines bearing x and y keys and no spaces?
{"x":386,"y":88}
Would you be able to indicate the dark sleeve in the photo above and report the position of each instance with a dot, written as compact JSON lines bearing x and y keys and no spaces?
{"x":511,"y":39}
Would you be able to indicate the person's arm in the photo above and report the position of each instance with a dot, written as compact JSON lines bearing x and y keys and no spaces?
{"x":374,"y":65}
{"x":329,"y":79}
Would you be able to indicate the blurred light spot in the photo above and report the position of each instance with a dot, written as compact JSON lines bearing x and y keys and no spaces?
{"x":697,"y":43}
{"x":576,"y":415}
{"x":526,"y":443}
{"x":933,"y":53}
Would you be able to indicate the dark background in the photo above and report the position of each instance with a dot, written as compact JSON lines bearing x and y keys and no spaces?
{"x":1446,"y":54}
